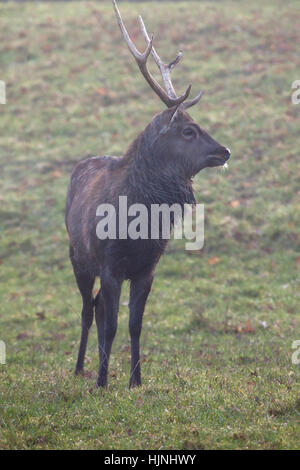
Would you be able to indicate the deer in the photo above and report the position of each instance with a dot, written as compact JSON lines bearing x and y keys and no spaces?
{"x":158,"y":167}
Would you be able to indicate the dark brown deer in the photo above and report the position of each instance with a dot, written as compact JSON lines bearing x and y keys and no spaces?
{"x":157,"y":168}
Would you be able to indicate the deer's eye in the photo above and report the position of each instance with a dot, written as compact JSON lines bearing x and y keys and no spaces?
{"x":189,"y":132}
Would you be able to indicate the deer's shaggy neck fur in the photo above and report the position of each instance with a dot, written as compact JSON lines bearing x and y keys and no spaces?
{"x":148,"y":179}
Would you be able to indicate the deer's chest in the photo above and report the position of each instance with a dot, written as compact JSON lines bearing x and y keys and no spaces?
{"x":131,"y":258}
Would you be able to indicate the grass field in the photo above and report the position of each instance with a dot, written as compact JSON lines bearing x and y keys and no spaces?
{"x":219,"y":324}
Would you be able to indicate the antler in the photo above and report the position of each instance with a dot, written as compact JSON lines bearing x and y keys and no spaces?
{"x":165,"y":69}
{"x":169,"y":96}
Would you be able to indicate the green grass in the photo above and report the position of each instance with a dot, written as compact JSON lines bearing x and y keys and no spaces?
{"x":219,"y":324}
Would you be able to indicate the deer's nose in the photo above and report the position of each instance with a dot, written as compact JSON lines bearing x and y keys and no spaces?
{"x":222,"y":152}
{"x":227,"y":153}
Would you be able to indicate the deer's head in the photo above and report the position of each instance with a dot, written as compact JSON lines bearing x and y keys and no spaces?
{"x":178,"y":142}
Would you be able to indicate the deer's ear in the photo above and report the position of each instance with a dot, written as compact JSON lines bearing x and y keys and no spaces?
{"x":173,"y":115}
{"x":172,"y":118}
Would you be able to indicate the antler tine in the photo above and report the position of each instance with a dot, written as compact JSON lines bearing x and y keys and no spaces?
{"x":175,"y":61}
{"x":188,"y":104}
{"x":166,"y":69}
{"x":141,"y":59}
{"x":136,"y":54}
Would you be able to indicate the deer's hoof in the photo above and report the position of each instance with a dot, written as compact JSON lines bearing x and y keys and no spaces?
{"x":135,"y":383}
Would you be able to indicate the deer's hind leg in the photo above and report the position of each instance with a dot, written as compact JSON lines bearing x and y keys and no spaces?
{"x":85,"y":282}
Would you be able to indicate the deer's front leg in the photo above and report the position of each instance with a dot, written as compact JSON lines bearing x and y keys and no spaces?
{"x":110,"y":296}
{"x":139,"y":291}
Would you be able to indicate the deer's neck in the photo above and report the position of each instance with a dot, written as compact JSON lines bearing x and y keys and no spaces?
{"x":148,"y":183}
